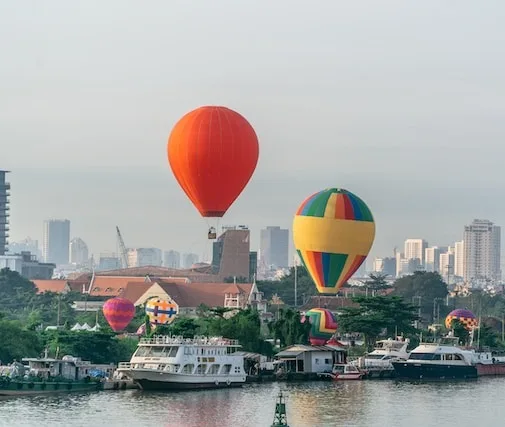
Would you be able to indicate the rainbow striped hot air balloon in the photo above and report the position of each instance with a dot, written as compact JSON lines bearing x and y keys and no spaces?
{"x":161,"y":312}
{"x":333,"y":231}
{"x":118,"y":312}
{"x":323,"y":325}
{"x":465,"y":317}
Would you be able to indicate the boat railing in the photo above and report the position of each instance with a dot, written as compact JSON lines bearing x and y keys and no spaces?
{"x":198,"y":340}
{"x":125,"y":365}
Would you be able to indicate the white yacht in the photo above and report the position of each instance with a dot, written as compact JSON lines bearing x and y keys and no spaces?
{"x":379,"y":362}
{"x":164,"y":362}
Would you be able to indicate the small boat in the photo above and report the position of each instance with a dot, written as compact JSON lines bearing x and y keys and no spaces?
{"x":119,"y":382}
{"x":378,"y":363}
{"x":344,"y":372}
{"x":280,"y":416}
{"x":166,"y":362}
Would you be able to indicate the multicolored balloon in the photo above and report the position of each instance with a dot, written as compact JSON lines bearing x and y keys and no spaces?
{"x":161,"y":312}
{"x":118,"y":312}
{"x":465,"y":317}
{"x":323,"y":325}
{"x":213,"y":152}
{"x":333,"y":231}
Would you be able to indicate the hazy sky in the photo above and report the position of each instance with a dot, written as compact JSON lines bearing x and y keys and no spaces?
{"x":401,"y":102}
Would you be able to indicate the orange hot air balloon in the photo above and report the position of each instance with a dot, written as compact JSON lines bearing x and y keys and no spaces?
{"x":213,"y":152}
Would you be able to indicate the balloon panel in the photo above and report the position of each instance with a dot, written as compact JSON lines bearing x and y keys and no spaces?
{"x":465,"y":317}
{"x":333,"y":231}
{"x":161,"y":312}
{"x":213,"y":152}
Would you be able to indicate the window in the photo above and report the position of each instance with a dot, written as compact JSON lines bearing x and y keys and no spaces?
{"x":201,"y":369}
{"x":226,"y":369}
{"x":327,"y":361}
{"x":188,"y":369}
{"x":108,"y":289}
{"x":214,"y":369}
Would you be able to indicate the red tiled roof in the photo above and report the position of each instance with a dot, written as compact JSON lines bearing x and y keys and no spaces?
{"x":134,"y":290}
{"x":58,"y":286}
{"x":201,"y":273}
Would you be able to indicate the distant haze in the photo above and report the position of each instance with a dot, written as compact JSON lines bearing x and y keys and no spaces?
{"x":401,"y":102}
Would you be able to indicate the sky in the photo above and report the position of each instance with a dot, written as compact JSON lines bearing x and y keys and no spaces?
{"x":398,"y":101}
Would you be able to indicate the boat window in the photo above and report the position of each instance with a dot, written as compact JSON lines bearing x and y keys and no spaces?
{"x":200,"y":369}
{"x":172,"y":351}
{"x":143,"y":352}
{"x":458,"y":357}
{"x":188,"y":369}
{"x":421,"y":356}
{"x":436,"y":357}
{"x":213,"y":369}
{"x":338,"y":369}
{"x":226,"y":369}
{"x":157,"y":352}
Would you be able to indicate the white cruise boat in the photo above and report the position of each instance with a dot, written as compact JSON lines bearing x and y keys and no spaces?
{"x":164,"y":363}
{"x":379,"y":361}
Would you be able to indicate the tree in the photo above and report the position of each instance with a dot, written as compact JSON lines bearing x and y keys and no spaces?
{"x":17,"y":342}
{"x":377,"y":282}
{"x":424,"y":288}
{"x":460,"y":331}
{"x":289,"y":329}
{"x":376,"y":315}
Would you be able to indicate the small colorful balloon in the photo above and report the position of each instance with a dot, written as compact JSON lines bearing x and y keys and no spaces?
{"x":118,"y":312}
{"x":161,"y":312}
{"x":323,"y":325}
{"x":464,"y":316}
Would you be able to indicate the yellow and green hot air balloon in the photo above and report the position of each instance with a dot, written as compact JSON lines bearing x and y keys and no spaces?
{"x":333,"y":232}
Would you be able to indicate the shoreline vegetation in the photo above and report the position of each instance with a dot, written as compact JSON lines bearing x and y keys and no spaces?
{"x":413,"y":305}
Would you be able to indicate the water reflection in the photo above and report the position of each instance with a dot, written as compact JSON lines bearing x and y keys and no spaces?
{"x":319,"y":404}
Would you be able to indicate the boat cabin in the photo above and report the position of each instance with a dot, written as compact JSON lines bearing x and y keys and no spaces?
{"x":69,"y":367}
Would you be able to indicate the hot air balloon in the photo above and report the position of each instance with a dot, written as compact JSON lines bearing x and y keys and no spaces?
{"x":213,"y":152}
{"x":465,"y":317}
{"x":323,"y":325}
{"x":161,"y":312}
{"x":118,"y":312}
{"x":333,"y":231}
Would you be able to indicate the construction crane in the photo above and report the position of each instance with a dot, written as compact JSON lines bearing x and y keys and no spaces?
{"x":123,"y":253}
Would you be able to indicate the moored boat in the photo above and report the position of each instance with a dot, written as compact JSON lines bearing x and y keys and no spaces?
{"x":166,"y":363}
{"x":445,"y":359}
{"x":344,"y":372}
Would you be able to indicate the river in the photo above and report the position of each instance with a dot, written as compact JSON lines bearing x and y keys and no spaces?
{"x":360,"y":403}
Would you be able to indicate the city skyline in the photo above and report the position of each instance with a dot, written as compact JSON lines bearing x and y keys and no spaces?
{"x":364,"y":98}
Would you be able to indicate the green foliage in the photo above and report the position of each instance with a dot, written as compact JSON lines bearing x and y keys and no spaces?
{"x":422,"y":288}
{"x":378,"y":315}
{"x":460,"y":332}
{"x":289,"y":329}
{"x":98,"y":347}
{"x":377,"y":282}
{"x":285,"y":288}
{"x":17,"y":342}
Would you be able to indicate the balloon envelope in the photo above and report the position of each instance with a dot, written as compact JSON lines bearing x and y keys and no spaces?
{"x":118,"y":312}
{"x":333,"y":231}
{"x":213,"y":152}
{"x":465,"y":317}
{"x":323,"y":325}
{"x":161,"y":312}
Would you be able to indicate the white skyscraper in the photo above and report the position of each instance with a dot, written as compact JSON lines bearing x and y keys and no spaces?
{"x":482,"y":247}
{"x":459,"y":258}
{"x":56,"y":241}
{"x":447,"y":264}
{"x":78,"y":251}
{"x":432,"y":259}
{"x":414,"y":249}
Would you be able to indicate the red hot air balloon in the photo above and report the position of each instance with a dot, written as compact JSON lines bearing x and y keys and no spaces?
{"x":118,"y":312}
{"x":213,"y":152}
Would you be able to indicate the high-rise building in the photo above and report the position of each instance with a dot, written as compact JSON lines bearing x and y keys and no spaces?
{"x":78,"y":251}
{"x":385,"y":266}
{"x":447,"y":264}
{"x":26,"y":245}
{"x":432,"y":259}
{"x":231,"y":253}
{"x":274,"y":247}
{"x":142,"y":257}
{"x":4,"y":211}
{"x":189,"y":259}
{"x":482,"y":249}
{"x":459,"y":259}
{"x":56,"y":241}
{"x":414,"y":249}
{"x":172,"y":259}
